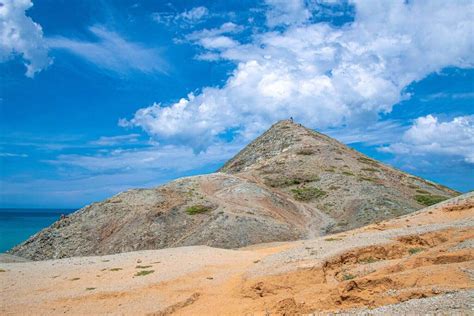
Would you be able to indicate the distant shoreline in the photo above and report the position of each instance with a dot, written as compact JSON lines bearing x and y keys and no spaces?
{"x":51,"y":209}
{"x":18,"y":224}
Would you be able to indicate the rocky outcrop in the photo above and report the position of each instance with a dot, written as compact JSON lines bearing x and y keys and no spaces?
{"x":290,"y":183}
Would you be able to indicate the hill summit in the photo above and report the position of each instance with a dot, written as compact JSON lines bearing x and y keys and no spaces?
{"x":290,"y":183}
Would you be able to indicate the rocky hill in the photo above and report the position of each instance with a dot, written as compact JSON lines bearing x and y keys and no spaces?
{"x":290,"y":183}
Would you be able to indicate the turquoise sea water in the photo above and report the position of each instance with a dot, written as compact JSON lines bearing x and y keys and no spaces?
{"x":16,"y":225}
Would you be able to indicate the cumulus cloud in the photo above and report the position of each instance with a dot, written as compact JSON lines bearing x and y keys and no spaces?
{"x":321,"y":75}
{"x":20,"y":35}
{"x":428,"y":135}
{"x":112,"y":52}
{"x":226,"y":28}
{"x":214,"y":40}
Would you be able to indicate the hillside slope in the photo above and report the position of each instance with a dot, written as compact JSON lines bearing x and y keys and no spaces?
{"x":290,"y":183}
{"x":325,"y":174}
{"x":395,"y":267}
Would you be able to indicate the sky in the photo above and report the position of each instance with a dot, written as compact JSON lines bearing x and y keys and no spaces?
{"x":99,"y":96}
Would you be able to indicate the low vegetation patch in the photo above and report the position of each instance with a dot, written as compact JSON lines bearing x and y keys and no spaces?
{"x":75,"y":279}
{"x":368,"y":161}
{"x":142,"y":267}
{"x":348,"y":276}
{"x":413,"y":251}
{"x":115,"y":269}
{"x":347,"y":173}
{"x":305,"y":151}
{"x":332,"y":239}
{"x":90,"y":288}
{"x":197,"y":209}
{"x":362,"y":178}
{"x":422,"y":191}
{"x":144,"y":272}
{"x":368,"y":260}
{"x":307,"y":193}
{"x":429,"y":199}
{"x":1,"y":270}
{"x":281,"y":182}
{"x":370,"y":169}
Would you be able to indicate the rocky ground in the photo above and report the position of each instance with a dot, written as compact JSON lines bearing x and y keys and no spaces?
{"x":418,"y":263}
{"x":290,"y":183}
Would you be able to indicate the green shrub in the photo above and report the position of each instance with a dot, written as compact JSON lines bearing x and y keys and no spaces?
{"x":370,"y":169}
{"x":115,"y":269}
{"x":368,"y":260}
{"x":197,"y":209}
{"x":368,"y":161}
{"x":307,"y":194}
{"x":142,"y":267}
{"x":332,"y":239}
{"x":429,"y":199}
{"x":90,"y":288}
{"x":362,"y":178}
{"x":412,"y":251}
{"x":144,"y":272}
{"x":422,"y":191}
{"x":347,"y":173}
{"x":348,"y":276}
{"x":305,"y":151}
{"x":281,"y":182}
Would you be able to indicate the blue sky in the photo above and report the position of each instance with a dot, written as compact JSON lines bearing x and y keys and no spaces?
{"x":100,"y":96}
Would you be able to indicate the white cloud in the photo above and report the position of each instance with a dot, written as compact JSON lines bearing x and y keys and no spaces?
{"x":14,"y":155}
{"x":379,"y":133}
{"x":20,"y":35}
{"x":113,"y":52}
{"x":226,"y":28}
{"x":429,"y":136}
{"x":286,"y":12}
{"x":195,"y":14}
{"x":176,"y":158}
{"x":320,"y":75}
{"x":183,"y":19}
{"x":215,"y":39}
{"x":116,"y":140}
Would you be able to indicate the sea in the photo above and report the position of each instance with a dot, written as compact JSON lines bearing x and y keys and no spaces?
{"x":16,"y":225}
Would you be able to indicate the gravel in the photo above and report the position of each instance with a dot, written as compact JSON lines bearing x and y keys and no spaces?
{"x":456,"y":303}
